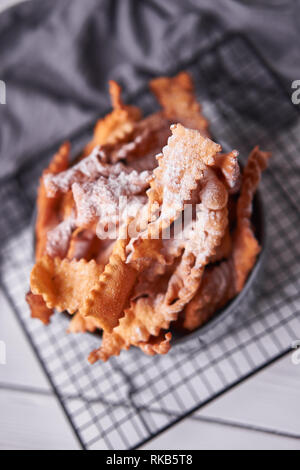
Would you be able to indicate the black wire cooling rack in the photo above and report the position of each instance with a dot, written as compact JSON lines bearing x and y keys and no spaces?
{"x":128,"y":400}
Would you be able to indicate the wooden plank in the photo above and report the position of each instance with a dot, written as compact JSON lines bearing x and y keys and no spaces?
{"x":22,"y":367}
{"x":269,"y":400}
{"x":211,"y":436}
{"x":33,"y":422}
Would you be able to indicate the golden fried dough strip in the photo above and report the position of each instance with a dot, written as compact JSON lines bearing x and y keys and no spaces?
{"x":223,"y":251}
{"x":157,"y":344}
{"x":64,"y":284}
{"x":246,"y":247}
{"x":89,"y":169}
{"x":216,"y":290}
{"x":149,"y":136}
{"x":112,"y":344}
{"x":107,"y":300}
{"x":85,"y":244}
{"x":80,"y":324}
{"x":100,"y":201}
{"x":67,"y":205}
{"x":180,"y":168}
{"x":116,"y":126}
{"x":48,"y":208}
{"x":38,"y":308}
{"x":146,"y":316}
{"x":137,"y":325}
{"x":48,"y":216}
{"x":202,"y":236}
{"x":59,"y":237}
{"x":229,"y":166}
{"x":108,"y":347}
{"x":178,"y":100}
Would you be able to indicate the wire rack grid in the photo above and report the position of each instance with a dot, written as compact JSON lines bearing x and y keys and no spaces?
{"x":130,"y":399}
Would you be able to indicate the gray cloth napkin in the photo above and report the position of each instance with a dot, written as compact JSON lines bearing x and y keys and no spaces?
{"x":56,"y":57}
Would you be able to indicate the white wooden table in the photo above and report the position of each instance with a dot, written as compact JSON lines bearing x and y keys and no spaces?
{"x":262,"y":413}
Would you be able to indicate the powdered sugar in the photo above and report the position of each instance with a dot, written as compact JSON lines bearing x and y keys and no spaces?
{"x":58,"y":238}
{"x":99,"y":200}
{"x":88,"y":169}
{"x":181,"y":166}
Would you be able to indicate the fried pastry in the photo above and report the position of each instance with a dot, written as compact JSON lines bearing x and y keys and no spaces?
{"x":149,"y":228}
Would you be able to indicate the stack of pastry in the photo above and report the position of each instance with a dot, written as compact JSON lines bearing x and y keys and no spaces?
{"x":149,"y":229}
